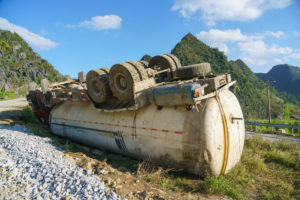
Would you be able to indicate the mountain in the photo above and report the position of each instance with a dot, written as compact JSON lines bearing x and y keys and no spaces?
{"x":249,"y":89}
{"x":19,"y":64}
{"x":286,"y":77}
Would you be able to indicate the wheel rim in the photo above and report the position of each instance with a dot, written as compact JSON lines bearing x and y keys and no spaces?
{"x":123,"y":82}
{"x":96,"y":88}
{"x":120,"y":82}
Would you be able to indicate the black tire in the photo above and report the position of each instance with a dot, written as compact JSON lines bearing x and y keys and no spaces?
{"x":144,"y":63}
{"x":105,"y":69}
{"x":122,"y":78}
{"x":98,"y":86}
{"x":175,"y":60}
{"x":190,"y":71}
{"x":139,"y":67}
{"x":161,"y":62}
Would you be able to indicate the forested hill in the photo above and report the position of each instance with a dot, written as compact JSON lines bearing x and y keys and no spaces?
{"x":249,"y":89}
{"x":19,"y":64}
{"x":286,"y":77}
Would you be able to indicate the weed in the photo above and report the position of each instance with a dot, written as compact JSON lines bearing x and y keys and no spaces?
{"x":9,"y":95}
{"x":221,"y":185}
{"x":283,"y":158}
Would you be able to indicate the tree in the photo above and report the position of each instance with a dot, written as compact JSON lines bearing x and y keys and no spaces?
{"x":287,"y":112}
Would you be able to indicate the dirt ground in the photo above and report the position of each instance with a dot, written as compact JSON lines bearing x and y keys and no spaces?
{"x":131,"y":185}
{"x":10,"y":110}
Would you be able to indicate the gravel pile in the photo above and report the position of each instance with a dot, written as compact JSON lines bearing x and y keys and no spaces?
{"x":32,"y":167}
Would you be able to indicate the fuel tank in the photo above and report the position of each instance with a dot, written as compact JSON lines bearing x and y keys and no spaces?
{"x":207,"y":141}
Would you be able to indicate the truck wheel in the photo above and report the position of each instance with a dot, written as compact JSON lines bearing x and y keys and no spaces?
{"x":161,"y":62}
{"x":144,"y":63}
{"x":175,"y":60}
{"x":122,"y":78}
{"x":190,"y":71}
{"x":98,"y":86}
{"x":105,"y":69}
{"x":139,"y":67}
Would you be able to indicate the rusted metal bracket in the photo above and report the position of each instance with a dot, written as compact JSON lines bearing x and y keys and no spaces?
{"x":235,"y":118}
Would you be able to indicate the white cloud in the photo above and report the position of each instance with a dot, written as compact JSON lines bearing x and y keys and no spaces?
{"x":253,"y":49}
{"x":222,"y":35}
{"x":217,"y":38}
{"x":296,"y":34}
{"x":295,"y":56}
{"x":100,"y":23}
{"x":259,"y":53}
{"x":277,"y":60}
{"x":234,"y":10}
{"x":255,"y":61}
{"x":33,"y":39}
{"x":277,"y":34}
{"x":44,"y":32}
{"x":221,"y":46}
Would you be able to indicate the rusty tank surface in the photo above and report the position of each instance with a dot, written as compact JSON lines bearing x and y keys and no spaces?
{"x":184,"y":117}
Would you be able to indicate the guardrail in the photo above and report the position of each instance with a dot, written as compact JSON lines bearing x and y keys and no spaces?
{"x":291,"y":126}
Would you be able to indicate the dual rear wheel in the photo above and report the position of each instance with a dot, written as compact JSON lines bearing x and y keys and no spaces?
{"x":98,"y":85}
{"x":120,"y":79}
{"x":124,"y":76}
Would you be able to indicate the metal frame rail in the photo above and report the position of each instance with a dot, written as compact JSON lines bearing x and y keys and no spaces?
{"x":291,"y":126}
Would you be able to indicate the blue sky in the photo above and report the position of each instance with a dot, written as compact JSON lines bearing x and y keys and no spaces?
{"x":77,"y":35}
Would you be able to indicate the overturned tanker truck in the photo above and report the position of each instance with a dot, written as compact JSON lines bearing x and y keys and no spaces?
{"x":181,"y":116}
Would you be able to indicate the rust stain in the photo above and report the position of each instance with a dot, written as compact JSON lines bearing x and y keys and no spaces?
{"x":124,"y":126}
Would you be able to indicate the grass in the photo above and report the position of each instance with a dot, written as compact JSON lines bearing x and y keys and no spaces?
{"x":9,"y":95}
{"x":268,"y":170}
{"x":29,"y":120}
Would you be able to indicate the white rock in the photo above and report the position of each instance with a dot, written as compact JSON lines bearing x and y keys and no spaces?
{"x":37,"y":164}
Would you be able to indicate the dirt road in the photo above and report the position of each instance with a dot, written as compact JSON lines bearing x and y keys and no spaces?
{"x":13,"y":104}
{"x":10,"y":110}
{"x":273,"y":137}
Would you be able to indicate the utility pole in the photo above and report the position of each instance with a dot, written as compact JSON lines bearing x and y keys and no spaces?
{"x":268,"y":83}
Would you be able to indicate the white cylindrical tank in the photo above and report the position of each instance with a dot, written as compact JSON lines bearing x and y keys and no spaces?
{"x":206,"y":142}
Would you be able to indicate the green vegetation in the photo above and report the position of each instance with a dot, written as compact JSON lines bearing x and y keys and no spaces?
{"x":29,"y":120}
{"x":249,"y":89}
{"x":19,"y":64}
{"x":8,"y":95}
{"x":287,"y":113}
{"x":267,"y":171}
{"x":286,"y":77}
{"x":146,"y":58}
